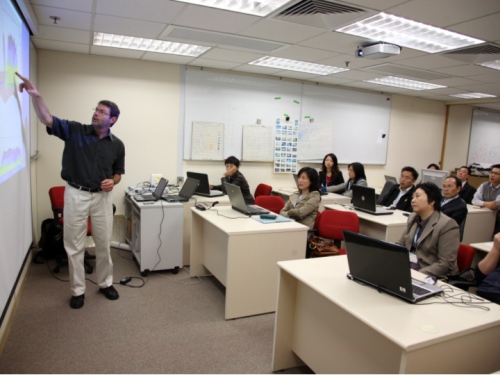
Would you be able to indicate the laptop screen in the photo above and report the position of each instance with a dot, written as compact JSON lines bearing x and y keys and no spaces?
{"x":162,"y":184}
{"x":235,"y":197}
{"x":189,"y":187}
{"x":204,"y":186}
{"x":363,"y":197}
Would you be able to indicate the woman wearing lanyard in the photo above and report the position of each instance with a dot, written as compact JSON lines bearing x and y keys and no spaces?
{"x":304,"y":207}
{"x":432,"y":237}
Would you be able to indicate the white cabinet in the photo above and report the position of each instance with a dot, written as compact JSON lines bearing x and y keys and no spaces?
{"x":154,"y":233}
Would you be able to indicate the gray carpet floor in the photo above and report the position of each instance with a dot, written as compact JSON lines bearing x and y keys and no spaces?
{"x":172,"y":324}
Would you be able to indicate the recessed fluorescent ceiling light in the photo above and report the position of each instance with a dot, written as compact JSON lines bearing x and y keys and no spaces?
{"x":408,"y":33}
{"x":256,"y":7}
{"x":474,"y":95}
{"x":404,"y":83}
{"x":149,"y":45}
{"x":298,"y":66}
{"x":491,"y":64}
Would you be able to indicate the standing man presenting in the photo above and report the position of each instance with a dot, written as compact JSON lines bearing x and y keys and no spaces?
{"x":92,"y":164}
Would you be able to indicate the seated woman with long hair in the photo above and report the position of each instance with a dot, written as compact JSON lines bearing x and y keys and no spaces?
{"x":330,"y":174}
{"x":357,"y":176}
{"x":304,"y":207}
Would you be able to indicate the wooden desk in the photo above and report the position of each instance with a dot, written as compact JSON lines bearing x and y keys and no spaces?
{"x":383,"y":227}
{"x":479,"y":225}
{"x":335,"y":325}
{"x":186,"y":234}
{"x":242,"y":254}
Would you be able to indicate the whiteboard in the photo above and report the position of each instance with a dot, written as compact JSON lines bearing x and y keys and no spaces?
{"x":236,"y":100}
{"x":358,"y":123}
{"x":484,"y":145}
{"x":352,"y":124}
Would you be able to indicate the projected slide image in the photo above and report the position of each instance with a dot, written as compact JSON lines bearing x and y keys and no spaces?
{"x":14,"y":125}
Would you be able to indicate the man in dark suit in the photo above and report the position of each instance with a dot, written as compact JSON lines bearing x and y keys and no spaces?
{"x":452,"y":205}
{"x":399,"y":197}
{"x":467,"y":191}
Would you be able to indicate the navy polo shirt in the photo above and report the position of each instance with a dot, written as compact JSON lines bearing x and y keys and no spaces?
{"x":88,"y":160}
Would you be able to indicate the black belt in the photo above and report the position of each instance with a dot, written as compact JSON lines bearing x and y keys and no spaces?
{"x":90,"y":190}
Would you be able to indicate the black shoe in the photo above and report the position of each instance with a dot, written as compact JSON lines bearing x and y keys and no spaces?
{"x":109,"y":292}
{"x":76,"y":302}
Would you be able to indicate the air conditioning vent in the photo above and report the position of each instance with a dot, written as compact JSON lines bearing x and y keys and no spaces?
{"x":477,"y":54}
{"x":323,"y":14}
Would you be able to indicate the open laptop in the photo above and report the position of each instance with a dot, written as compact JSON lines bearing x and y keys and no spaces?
{"x":363,"y":199}
{"x":186,"y":192}
{"x":384,"y":266}
{"x":391,"y":178}
{"x":204,"y":187}
{"x":156,"y":195}
{"x":238,"y":202}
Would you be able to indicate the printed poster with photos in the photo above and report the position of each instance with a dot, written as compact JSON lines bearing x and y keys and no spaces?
{"x":286,"y":141}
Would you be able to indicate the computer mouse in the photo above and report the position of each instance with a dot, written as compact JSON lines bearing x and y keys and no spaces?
{"x":200,"y":207}
{"x":268,"y":216}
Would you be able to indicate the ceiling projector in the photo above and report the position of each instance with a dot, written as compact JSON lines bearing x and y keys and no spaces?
{"x":378,"y":51}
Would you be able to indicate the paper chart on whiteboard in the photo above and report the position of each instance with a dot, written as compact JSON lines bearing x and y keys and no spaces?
{"x":257,"y":143}
{"x":286,"y":142}
{"x":207,"y":141}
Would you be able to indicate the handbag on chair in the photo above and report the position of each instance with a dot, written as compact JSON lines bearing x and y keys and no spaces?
{"x":322,"y":247}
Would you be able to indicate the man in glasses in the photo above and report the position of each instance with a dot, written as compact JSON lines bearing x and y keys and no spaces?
{"x":399,"y":197}
{"x":92,"y":164}
{"x":488,"y":194}
{"x":452,"y":205}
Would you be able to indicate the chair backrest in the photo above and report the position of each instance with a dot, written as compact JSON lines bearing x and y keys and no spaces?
{"x":272,"y":203}
{"x":464,"y":257}
{"x":462,"y":227}
{"x":56,"y":195}
{"x":262,"y":189}
{"x":333,"y":222}
{"x":387,"y":186}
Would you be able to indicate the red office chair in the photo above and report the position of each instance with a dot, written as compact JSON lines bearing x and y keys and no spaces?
{"x":56,"y":195}
{"x":464,"y":257}
{"x":272,"y":203}
{"x":262,"y":189}
{"x":332,"y":224}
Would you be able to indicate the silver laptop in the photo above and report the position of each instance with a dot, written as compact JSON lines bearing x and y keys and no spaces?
{"x":391,"y":178}
{"x":156,"y":195}
{"x":203,"y":188}
{"x":384,"y":266}
{"x":363,"y":199}
{"x":186,"y":192}
{"x":238,"y":202}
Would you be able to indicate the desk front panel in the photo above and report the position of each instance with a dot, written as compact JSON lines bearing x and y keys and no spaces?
{"x":479,"y":225}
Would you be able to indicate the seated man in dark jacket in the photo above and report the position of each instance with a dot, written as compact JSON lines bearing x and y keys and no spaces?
{"x":235,"y":177}
{"x":399,"y":197}
{"x":468,"y":191}
{"x":452,"y":205}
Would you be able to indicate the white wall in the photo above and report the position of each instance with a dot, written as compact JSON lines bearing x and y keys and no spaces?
{"x":148,"y":94}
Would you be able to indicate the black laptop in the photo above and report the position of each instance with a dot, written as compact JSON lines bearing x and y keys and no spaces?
{"x":186,"y":192}
{"x":384,"y":266}
{"x":238,"y":202}
{"x":156,"y":195}
{"x":363,"y":199}
{"x":203,"y":188}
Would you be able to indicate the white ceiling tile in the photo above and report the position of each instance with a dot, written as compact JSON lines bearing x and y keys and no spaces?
{"x":167,"y":58}
{"x":69,"y":19}
{"x":127,"y":26}
{"x":464,"y":70}
{"x":279,"y":31}
{"x":302,"y":53}
{"x":430,"y":62}
{"x":214,"y":64}
{"x":256,"y":69}
{"x":80,"y":5}
{"x":214,"y":19}
{"x":66,"y":35}
{"x":376,"y":4}
{"x":485,"y":28}
{"x":456,"y":11}
{"x":149,"y":10}
{"x":61,"y":46}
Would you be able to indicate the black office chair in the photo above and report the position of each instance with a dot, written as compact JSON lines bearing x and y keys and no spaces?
{"x":387,"y":186}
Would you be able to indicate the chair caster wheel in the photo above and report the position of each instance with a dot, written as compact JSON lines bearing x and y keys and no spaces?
{"x":175,"y":271}
{"x":145,"y":273}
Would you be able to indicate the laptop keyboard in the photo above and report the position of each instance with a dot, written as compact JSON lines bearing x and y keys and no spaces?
{"x":418,"y":290}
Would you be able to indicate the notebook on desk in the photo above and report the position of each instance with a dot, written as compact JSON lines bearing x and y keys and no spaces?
{"x":238,"y":202}
{"x":363,"y":199}
{"x":186,"y":192}
{"x":156,"y":195}
{"x":384,"y":266}
{"x":203,"y":188}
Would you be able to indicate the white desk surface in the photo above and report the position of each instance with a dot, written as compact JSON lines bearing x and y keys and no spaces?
{"x":396,"y":219}
{"x":232,"y":222}
{"x":441,"y":335}
{"x":483,"y":246}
